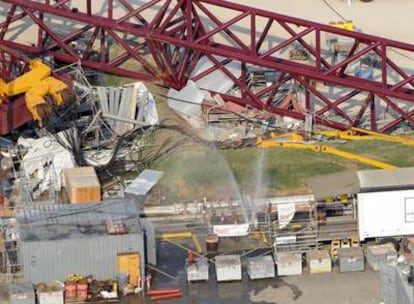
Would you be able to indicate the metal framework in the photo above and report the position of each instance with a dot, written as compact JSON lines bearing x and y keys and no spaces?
{"x":164,"y":41}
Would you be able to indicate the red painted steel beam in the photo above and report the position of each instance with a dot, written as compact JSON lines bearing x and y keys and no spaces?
{"x":167,"y":38}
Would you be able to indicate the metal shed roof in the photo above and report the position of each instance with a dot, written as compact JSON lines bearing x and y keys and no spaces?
{"x":386,"y":180}
{"x":334,"y":184}
{"x":60,"y":221}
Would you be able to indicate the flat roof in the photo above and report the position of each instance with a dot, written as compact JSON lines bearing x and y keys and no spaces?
{"x":386,"y":180}
{"x":335,"y":184}
{"x":74,"y":221}
{"x":351,"y":182}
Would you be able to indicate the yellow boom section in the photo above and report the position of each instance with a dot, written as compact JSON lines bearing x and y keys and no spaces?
{"x":260,"y":143}
{"x":35,"y":84}
{"x":369,"y":135}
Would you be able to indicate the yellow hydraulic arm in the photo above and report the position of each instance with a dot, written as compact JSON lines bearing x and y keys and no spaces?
{"x":370,"y":135}
{"x":35,"y":84}
{"x":260,"y":143}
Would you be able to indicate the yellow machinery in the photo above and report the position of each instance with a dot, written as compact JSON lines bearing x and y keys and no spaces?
{"x":352,"y":134}
{"x":182,"y":235}
{"x":35,"y":84}
{"x":298,"y":144}
{"x":347,"y":25}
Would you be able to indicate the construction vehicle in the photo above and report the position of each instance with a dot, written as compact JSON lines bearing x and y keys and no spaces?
{"x":32,"y":96}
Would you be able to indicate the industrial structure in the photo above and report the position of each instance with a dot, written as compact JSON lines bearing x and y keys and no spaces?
{"x":176,"y":41}
{"x":289,"y":72}
{"x":346,"y":208}
{"x":76,"y":234}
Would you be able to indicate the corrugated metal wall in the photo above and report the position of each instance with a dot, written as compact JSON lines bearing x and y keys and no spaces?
{"x":394,"y":286}
{"x":46,"y":261}
{"x":151,"y":246}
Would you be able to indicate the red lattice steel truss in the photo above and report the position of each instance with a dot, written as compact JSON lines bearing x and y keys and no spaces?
{"x":341,"y":78}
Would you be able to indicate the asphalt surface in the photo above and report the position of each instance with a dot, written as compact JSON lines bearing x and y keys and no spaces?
{"x":327,"y":288}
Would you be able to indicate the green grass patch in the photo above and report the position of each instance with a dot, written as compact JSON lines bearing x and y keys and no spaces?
{"x":192,"y":172}
{"x":393,"y":153}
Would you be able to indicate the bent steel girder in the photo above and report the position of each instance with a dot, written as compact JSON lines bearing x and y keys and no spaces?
{"x":166,"y":41}
{"x":12,"y":63}
{"x":111,"y":39}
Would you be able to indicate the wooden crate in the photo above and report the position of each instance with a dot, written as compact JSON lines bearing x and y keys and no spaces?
{"x":82,"y":185}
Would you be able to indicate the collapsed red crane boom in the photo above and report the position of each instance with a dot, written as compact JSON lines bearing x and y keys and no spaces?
{"x":166,"y":41}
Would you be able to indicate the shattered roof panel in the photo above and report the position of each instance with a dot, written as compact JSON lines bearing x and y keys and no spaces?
{"x":144,"y":182}
{"x":332,"y":185}
{"x":216,"y":80}
{"x":386,"y":180}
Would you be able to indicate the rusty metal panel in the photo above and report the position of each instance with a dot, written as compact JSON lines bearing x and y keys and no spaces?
{"x":13,"y":115}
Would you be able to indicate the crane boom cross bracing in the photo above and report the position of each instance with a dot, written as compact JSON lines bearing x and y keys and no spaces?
{"x":166,"y":41}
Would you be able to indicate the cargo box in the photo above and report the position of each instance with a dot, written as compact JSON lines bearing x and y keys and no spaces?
{"x":318,"y":261}
{"x":197,"y":270}
{"x":22,"y":293}
{"x":289,"y":263}
{"x":228,"y":268}
{"x":378,"y":254}
{"x":261,"y":267}
{"x":351,"y":259}
{"x":49,"y":294}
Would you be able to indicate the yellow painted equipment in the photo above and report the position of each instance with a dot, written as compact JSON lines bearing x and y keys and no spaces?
{"x":292,"y":136}
{"x":182,"y":235}
{"x":260,"y":143}
{"x":335,"y":244}
{"x":352,"y":134}
{"x":35,"y":84}
{"x":347,"y":25}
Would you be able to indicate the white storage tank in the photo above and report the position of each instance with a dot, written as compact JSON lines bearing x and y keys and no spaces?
{"x":289,"y":263}
{"x":260,"y":267}
{"x":318,"y":261}
{"x":228,"y":268}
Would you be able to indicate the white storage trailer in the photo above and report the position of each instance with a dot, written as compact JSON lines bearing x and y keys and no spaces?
{"x":385,"y":214}
{"x":386,"y":203}
{"x":380,"y":202}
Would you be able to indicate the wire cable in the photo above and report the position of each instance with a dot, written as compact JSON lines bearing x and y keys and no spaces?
{"x":335,"y":11}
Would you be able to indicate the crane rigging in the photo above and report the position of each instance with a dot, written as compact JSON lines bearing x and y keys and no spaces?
{"x":170,"y":42}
